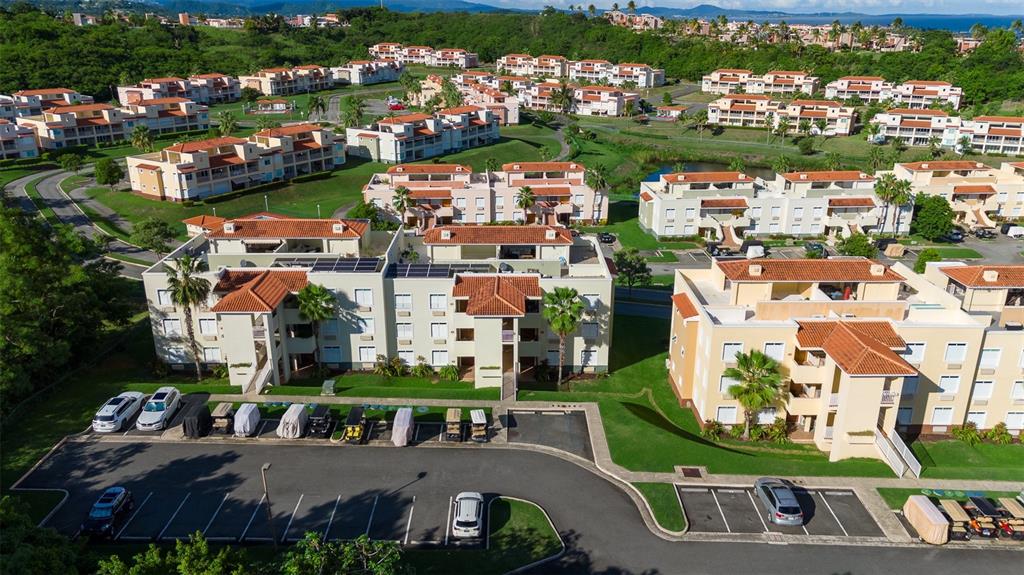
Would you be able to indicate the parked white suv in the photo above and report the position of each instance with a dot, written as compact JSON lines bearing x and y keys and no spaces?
{"x":116,"y":412}
{"x":159,"y":410}
{"x":469,"y":511}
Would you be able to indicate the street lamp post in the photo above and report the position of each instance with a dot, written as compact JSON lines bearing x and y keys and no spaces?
{"x":266,"y":204}
{"x":266,"y":497}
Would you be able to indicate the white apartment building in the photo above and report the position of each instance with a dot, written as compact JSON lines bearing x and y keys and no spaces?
{"x":995,"y":134}
{"x":867,"y":88}
{"x":360,"y":72}
{"x":586,"y":100}
{"x":27,"y":103}
{"x":193,"y":170}
{"x":826,"y":117}
{"x":452,"y":307}
{"x":867,"y":351}
{"x":975,"y":191}
{"x":636,"y":22}
{"x":78,"y":125}
{"x":744,"y":110}
{"x":589,"y":71}
{"x":443,"y":194}
{"x":987,"y":134}
{"x":201,"y":88}
{"x":424,"y":55}
{"x":413,"y":137}
{"x":781,"y":82}
{"x":287,"y":81}
{"x":16,"y":141}
{"x":168,"y":115}
{"x":545,"y":65}
{"x":215,"y":88}
{"x":913,"y":94}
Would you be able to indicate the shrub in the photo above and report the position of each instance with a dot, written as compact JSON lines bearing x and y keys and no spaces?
{"x":220,"y":370}
{"x":968,"y":433}
{"x":736,"y":431}
{"x":806,"y":146}
{"x":758,"y":432}
{"x":160,"y":369}
{"x":713,"y":429}
{"x":778,"y":431}
{"x":999,"y":434}
{"x":387,"y":367}
{"x":448,"y":373}
{"x":422,"y":368}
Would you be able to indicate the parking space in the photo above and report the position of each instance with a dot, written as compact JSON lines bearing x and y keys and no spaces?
{"x":562,"y":430}
{"x":738,"y":510}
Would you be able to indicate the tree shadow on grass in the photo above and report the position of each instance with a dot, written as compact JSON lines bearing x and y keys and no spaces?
{"x":654,"y":418}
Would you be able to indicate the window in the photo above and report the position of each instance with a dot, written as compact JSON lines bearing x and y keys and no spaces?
{"x":211,"y":355}
{"x":773,"y":228}
{"x":815,"y":228}
{"x":163,"y":297}
{"x":990,"y":358}
{"x":591,"y":300}
{"x":949,"y":383}
{"x":729,"y":351}
{"x":766,"y":416}
{"x":403,"y":301}
{"x":589,"y":330}
{"x":670,"y":230}
{"x":670,"y":214}
{"x":404,"y":330}
{"x":775,"y":350}
{"x":479,"y":203}
{"x":726,"y":415}
{"x":904,"y":415}
{"x":724,"y":383}
{"x":364,"y":297}
{"x":977,"y":418}
{"x":818,"y":211}
{"x":691,"y":213}
{"x":798,"y":213}
{"x":552,"y":357}
{"x":331,"y":354}
{"x":909,"y":385}
{"x":755,"y":212}
{"x":577,"y":199}
{"x":956,"y":352}
{"x":367,"y":325}
{"x":914,"y":353}
{"x":438,"y":302}
{"x":407,"y":356}
{"x":208,"y":326}
{"x":982,"y":390}
{"x":776,"y":211}
{"x":439,"y":357}
{"x":942,"y":416}
{"x":439,"y":331}
{"x":689,"y":230}
{"x":172,"y":327}
{"x":499,"y":203}
{"x":460,"y":203}
{"x":1015,"y":420}
{"x":587,"y":357}
{"x":1017,"y":391}
{"x":480,"y":218}
{"x":367,"y":354}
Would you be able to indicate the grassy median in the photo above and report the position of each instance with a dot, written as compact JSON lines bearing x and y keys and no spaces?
{"x":664,"y":502}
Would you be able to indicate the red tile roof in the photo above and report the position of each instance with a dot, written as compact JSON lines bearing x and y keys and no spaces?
{"x":724,"y":203}
{"x":1006,"y":119}
{"x":859,"y":348}
{"x":645,"y":196}
{"x":257,"y":292}
{"x":927,"y":83}
{"x":980,"y":189}
{"x":828,"y":176}
{"x":706,"y":177}
{"x":832,"y":270}
{"x":157,"y":101}
{"x":944,"y":165}
{"x":909,"y":112}
{"x":209,"y":144}
{"x":461,"y":110}
{"x":80,"y":108}
{"x":498,"y":235}
{"x":684,"y":305}
{"x":405,"y":119}
{"x":497,"y":295}
{"x":204,"y":221}
{"x":288,"y":130}
{"x":291,"y":228}
{"x":1006,"y":276}
{"x":430,"y":169}
{"x":851,"y":202}
{"x":44,"y":92}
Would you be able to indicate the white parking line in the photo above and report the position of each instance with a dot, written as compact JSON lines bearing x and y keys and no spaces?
{"x":137,"y":509}
{"x":408,"y":524}
{"x":252,"y":517}
{"x":825,"y":501}
{"x":168,"y":524}
{"x":331,"y":520}
{"x":757,"y":512}
{"x":372,"y":510}
{"x":284,"y":536}
{"x":720,"y":512}
{"x":447,"y":521}
{"x":210,"y":522}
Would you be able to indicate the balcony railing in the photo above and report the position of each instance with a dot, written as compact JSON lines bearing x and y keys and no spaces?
{"x":833,"y":400}
{"x":259,"y":333}
{"x":508,"y":335}
{"x":889,"y":397}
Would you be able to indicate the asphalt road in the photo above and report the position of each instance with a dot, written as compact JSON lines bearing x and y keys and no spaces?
{"x":602,"y":527}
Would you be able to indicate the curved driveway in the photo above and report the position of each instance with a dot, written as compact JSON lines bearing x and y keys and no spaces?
{"x":600,"y":523}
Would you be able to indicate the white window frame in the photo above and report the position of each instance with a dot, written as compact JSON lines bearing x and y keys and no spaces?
{"x":205,"y":325}
{"x":781,"y":345}
{"x":439,"y":357}
{"x":364,"y":297}
{"x":817,"y":211}
{"x":947,"y":413}
{"x":438,"y":302}
{"x":731,"y":357}
{"x":1017,"y":390}
{"x":403,"y":330}
{"x":798,"y":213}
{"x":985,"y":386}
{"x":914,"y":352}
{"x":977,"y":417}
{"x":670,"y":214}
{"x":1015,"y":419}
{"x":986,"y":361}
{"x":367,"y":326}
{"x":363,"y":349}
{"x":944,"y":380}
{"x":588,"y":356}
{"x":218,"y":358}
{"x":403,"y":302}
{"x":164,"y":298}
{"x":724,"y":383}
{"x":726,"y":409}
{"x":438,"y":330}
{"x":955,"y":345}
{"x":480,"y":203}
{"x":407,"y":356}
{"x":172,"y":327}
{"x":690,"y":213}
{"x":767,"y":416}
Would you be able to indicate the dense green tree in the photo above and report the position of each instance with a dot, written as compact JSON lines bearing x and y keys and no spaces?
{"x":933,"y":217}
{"x":26,"y":548}
{"x":926,"y":255}
{"x":857,"y":245}
{"x":71,"y":162}
{"x":152,"y":234}
{"x":141,"y":138}
{"x":563,"y":310}
{"x":631,"y":268}
{"x":108,"y":172}
{"x":353,"y":108}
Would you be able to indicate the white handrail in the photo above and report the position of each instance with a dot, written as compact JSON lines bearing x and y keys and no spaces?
{"x":889,"y":453}
{"x":908,"y":456}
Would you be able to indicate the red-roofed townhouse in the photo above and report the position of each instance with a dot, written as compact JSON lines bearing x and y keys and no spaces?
{"x":412,"y":137}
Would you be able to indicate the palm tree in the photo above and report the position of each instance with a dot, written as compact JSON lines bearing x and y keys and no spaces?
{"x":563,"y":309}
{"x":769,"y":120}
{"x":188,"y":289}
{"x":226,"y":123}
{"x":804,"y":127}
{"x":821,"y":124}
{"x":631,"y":6}
{"x":450,"y":93}
{"x":964,"y":145}
{"x":782,"y":165}
{"x":901,"y":195}
{"x":352,"y":110}
{"x":935,"y":146}
{"x":876,"y":157}
{"x":316,"y":304}
{"x":563,"y":97}
{"x":597,"y":176}
{"x":700,"y":122}
{"x":592,"y":11}
{"x":832,"y":161}
{"x":492,"y":165}
{"x":758,"y":383}
{"x":141,"y":138}
{"x":265,"y":123}
{"x":317,"y":105}
{"x":525,"y":200}
{"x":783,"y":128}
{"x":402,"y":201}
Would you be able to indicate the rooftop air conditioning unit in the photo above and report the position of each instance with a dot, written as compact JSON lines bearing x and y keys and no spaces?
{"x":229,"y":227}
{"x":338,"y":228}
{"x":446,"y":234}
{"x":550,"y":234}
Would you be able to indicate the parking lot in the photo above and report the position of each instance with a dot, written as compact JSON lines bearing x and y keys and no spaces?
{"x":833,"y":512}
{"x":566,"y":431}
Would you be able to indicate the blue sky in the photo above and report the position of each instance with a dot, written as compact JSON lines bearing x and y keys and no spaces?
{"x":1002,"y":7}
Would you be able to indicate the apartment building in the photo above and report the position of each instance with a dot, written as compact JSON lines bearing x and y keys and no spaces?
{"x":866,"y":350}
{"x":920,"y":94}
{"x":193,"y":170}
{"x":867,"y":88}
{"x":986,"y":134}
{"x":443,"y":194}
{"x":33,"y":102}
{"x":78,"y":125}
{"x":16,"y":141}
{"x":584,"y":71}
{"x":201,"y":88}
{"x":288,"y":81}
{"x":826,"y":117}
{"x":361,"y":72}
{"x":976,"y":192}
{"x":424,"y":55}
{"x":586,"y":100}
{"x":995,"y":134}
{"x":729,"y":206}
{"x":216,"y":88}
{"x":168,"y":115}
{"x":745,"y":110}
{"x":412,"y":137}
{"x":451,"y":307}
{"x":638,"y":22}
{"x":8,"y":109}
{"x":545,"y":65}
{"x":781,"y":82}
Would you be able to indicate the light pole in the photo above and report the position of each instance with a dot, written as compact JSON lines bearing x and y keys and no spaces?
{"x":266,"y":497}
{"x":266,"y":205}
{"x":317,"y":210}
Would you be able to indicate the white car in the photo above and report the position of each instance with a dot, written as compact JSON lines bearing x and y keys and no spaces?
{"x":469,"y":511}
{"x":159,"y":410}
{"x":116,"y":412}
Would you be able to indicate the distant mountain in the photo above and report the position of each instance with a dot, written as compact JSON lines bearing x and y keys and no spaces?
{"x":250,"y":7}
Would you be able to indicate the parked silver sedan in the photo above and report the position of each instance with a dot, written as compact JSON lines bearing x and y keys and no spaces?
{"x":782,"y":505}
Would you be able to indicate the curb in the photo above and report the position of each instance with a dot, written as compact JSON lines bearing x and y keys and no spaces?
{"x":551,"y":523}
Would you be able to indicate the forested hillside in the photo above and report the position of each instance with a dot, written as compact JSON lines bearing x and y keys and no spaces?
{"x":39,"y":51}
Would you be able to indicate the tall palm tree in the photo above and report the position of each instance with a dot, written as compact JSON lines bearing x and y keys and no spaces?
{"x":141,"y":138}
{"x":900,"y":196}
{"x":188,"y":290}
{"x":804,"y":127}
{"x":265,"y":123}
{"x":782,"y":165}
{"x":402,"y":201}
{"x":317,"y":106}
{"x":700,"y":122}
{"x":783,"y":127}
{"x":592,"y":11}
{"x":597,"y":176}
{"x":492,"y":165}
{"x":226,"y":123}
{"x":450,"y":93}
{"x":353,"y":108}
{"x":525,"y":200}
{"x":935,"y":146}
{"x":821,"y":124}
{"x":563,"y":309}
{"x":316,"y":304}
{"x":964,"y":145}
{"x":631,"y":6}
{"x":562,"y":97}
{"x":758,"y":384}
{"x":876,"y":156}
{"x":832,"y":161}
{"x":769,"y":120}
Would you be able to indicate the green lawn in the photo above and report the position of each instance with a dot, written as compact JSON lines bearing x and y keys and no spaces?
{"x":895,"y":497}
{"x":33,"y":193}
{"x":952,"y":459}
{"x":519,"y":534}
{"x":624,"y":223}
{"x":301,"y":102}
{"x":8,"y":175}
{"x":663,"y":281}
{"x":665,"y":257}
{"x":957,"y":253}
{"x":369,"y":385}
{"x":664,"y":504}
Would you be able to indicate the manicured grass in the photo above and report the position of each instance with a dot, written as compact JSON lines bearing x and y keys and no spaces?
{"x":895,"y":497}
{"x":39,"y":503}
{"x":127,"y":259}
{"x":952,"y":459}
{"x":665,"y":257}
{"x":664,"y":504}
{"x":8,"y":175}
{"x":623,"y":222}
{"x":370,"y":385}
{"x":958,"y":253}
{"x":519,"y":535}
{"x":517,"y":144}
{"x":37,"y":199}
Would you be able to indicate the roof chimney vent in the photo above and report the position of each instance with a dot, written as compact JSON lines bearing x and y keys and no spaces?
{"x":550,"y":234}
{"x":229,"y":227}
{"x":877,"y":269}
{"x":990,"y":275}
{"x":400,"y":169}
{"x":803,"y":176}
{"x":446,"y":234}
{"x":338,"y":228}
{"x":924,"y":166}
{"x":755,"y":270}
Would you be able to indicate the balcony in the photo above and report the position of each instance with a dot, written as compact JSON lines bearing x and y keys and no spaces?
{"x":890,"y":397}
{"x":833,"y":400}
{"x":811,"y":371}
{"x":508,"y":335}
{"x":259,"y":333}
{"x":803,"y":404}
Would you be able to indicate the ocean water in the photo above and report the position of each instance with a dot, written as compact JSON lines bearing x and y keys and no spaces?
{"x":953,"y":23}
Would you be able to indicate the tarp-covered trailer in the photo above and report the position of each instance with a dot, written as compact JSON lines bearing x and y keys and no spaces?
{"x":197,"y":421}
{"x":223,"y":418}
{"x":401,"y":428}
{"x":247,"y":420}
{"x":929,"y":522}
{"x":293,"y":422}
{"x":478,"y":429}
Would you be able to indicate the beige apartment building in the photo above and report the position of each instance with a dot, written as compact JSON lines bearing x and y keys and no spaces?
{"x":976,"y":192}
{"x":867,"y":88}
{"x":451,"y":307}
{"x":526,"y":65}
{"x":826,"y":117}
{"x":417,"y":136}
{"x":362,"y":72}
{"x":288,"y":81}
{"x":16,"y":141}
{"x":477,"y":89}
{"x":216,"y":88}
{"x":201,"y":88}
{"x":78,"y":125}
{"x":986,"y":134}
{"x":168,"y":115}
{"x":586,"y":100}
{"x":424,"y":55}
{"x":216,"y":166}
{"x":779,"y":82}
{"x":33,"y":102}
{"x":744,"y":110}
{"x":912,"y":94}
{"x":866,"y":350}
{"x":443,"y":194}
{"x":584,"y":71}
